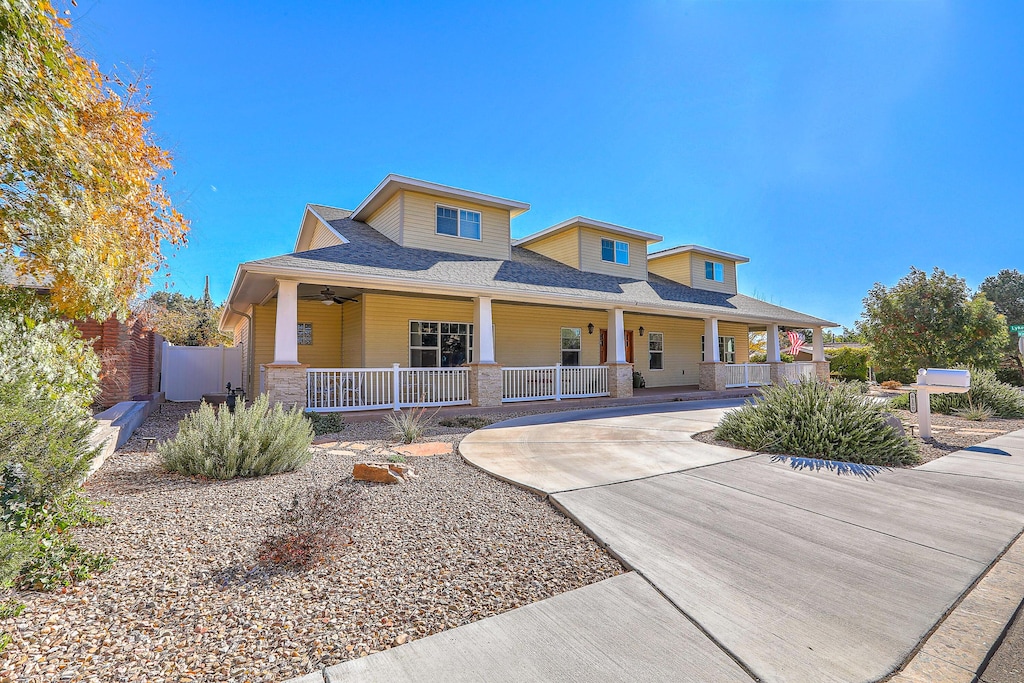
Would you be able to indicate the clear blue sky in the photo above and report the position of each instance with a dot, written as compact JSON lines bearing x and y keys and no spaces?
{"x":836,"y":144}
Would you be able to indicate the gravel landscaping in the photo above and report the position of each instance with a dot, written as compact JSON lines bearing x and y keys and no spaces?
{"x":186,"y":600}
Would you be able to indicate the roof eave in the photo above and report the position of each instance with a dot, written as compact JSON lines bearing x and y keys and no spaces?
{"x":394,"y":183}
{"x":649,"y":237}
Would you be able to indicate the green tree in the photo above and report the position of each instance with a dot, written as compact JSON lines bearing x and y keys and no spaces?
{"x":185,"y":320}
{"x":931,"y":321}
{"x":1006,"y":292}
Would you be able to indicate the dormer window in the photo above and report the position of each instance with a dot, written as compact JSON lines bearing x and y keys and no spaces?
{"x":458,"y":222}
{"x":714,"y":271}
{"x":614,"y":251}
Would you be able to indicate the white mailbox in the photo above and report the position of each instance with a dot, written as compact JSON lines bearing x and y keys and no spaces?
{"x":937,"y":381}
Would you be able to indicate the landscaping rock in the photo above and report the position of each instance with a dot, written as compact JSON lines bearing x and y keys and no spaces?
{"x":382,"y":472}
{"x":421,"y":450}
{"x":895,"y":423}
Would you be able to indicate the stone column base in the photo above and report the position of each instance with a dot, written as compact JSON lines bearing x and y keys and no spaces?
{"x":286,"y":384}
{"x":822,"y":368}
{"x":776,"y":370}
{"x":485,"y":386}
{"x":712,"y":376}
{"x":620,"y":380}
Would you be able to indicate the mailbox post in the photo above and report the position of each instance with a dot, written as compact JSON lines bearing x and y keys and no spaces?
{"x":936,"y":381}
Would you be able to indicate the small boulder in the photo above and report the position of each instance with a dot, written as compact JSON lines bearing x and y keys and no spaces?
{"x":382,"y":472}
{"x":895,"y":423}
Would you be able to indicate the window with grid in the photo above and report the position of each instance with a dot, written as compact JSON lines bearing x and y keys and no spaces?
{"x":714,"y":271}
{"x":572,"y":343}
{"x":439,"y":345}
{"x":614,"y":251}
{"x":656,"y":347}
{"x":305,"y":334}
{"x":458,"y":222}
{"x":726,"y":349}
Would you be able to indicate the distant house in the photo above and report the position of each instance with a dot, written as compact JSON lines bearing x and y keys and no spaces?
{"x":419,"y":295}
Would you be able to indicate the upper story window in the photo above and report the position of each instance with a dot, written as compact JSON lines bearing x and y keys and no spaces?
{"x":458,"y":222}
{"x":714,"y":271}
{"x":614,"y":251}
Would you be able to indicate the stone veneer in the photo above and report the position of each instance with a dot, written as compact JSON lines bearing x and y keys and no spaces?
{"x":822,"y":368}
{"x":712,"y":376}
{"x":485,"y":386}
{"x":620,"y":380}
{"x":286,"y":384}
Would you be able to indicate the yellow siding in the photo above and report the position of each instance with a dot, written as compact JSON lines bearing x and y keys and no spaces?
{"x":323,"y":237}
{"x":681,"y":358}
{"x":701,"y":282}
{"x":388,"y":219}
{"x":675,"y":268}
{"x":563,"y":247}
{"x":419,"y":227}
{"x":742,"y":333}
{"x":241,"y":339}
{"x":590,"y":255}
{"x":325,"y":351}
{"x":386,"y":324}
{"x":352,"y":334}
{"x":532,"y":335}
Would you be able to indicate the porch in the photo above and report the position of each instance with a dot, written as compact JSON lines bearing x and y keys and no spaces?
{"x":356,"y":349}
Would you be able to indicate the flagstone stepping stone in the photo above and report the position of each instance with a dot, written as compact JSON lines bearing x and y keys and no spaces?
{"x":423,"y":450}
{"x":325,"y":443}
{"x":382,"y":472}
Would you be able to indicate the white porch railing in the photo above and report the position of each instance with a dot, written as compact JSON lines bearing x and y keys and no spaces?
{"x":547,"y":382}
{"x":747,"y":375}
{"x":341,"y":389}
{"x":794,"y":372}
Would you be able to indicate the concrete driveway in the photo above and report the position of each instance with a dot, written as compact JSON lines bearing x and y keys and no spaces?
{"x":742,"y":568}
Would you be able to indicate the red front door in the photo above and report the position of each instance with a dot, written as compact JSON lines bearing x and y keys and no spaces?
{"x":604,"y":346}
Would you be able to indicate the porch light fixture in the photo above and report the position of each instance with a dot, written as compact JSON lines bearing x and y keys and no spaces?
{"x":590,"y":328}
{"x":641,"y":330}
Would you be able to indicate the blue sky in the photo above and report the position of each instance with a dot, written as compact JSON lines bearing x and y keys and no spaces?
{"x":835,"y":144}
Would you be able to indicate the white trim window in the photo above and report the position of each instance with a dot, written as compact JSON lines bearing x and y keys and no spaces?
{"x":572,"y":345}
{"x":726,"y":349}
{"x":304,"y":334}
{"x":614,"y":251}
{"x":656,"y":349}
{"x":439,"y":345}
{"x":713,"y":270}
{"x":458,"y":222}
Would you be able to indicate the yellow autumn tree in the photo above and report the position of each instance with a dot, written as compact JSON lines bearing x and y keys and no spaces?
{"x":82,"y":202}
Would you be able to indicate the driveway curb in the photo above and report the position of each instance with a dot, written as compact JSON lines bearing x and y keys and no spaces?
{"x":961,"y":645}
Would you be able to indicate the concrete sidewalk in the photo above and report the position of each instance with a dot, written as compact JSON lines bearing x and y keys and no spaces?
{"x":771,"y":572}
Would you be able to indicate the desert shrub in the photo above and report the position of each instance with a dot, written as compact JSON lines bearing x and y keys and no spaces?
{"x":1010,"y":374}
{"x":408,"y":426}
{"x":253,"y":441}
{"x":48,"y":377}
{"x":325,"y":423}
{"x":815,"y":420}
{"x":849,"y":363}
{"x":891,"y":384}
{"x":312,"y":525}
{"x":975,"y":413}
{"x":466,"y":422}
{"x":1002,"y":399}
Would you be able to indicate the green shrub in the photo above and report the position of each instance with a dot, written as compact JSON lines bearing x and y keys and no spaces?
{"x":1002,"y":399}
{"x":849,"y":363}
{"x":253,"y":441}
{"x":815,"y":420}
{"x":1010,"y":374}
{"x":466,"y":422}
{"x":978,"y":413}
{"x":325,"y":423}
{"x":411,"y":425}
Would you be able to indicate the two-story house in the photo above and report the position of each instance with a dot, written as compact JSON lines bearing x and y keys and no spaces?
{"x":420,"y":296}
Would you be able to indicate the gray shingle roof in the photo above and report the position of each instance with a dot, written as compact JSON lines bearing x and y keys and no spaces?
{"x":369,"y":253}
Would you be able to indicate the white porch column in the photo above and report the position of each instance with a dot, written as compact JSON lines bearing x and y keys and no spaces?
{"x":616,"y":336}
{"x":711,"y":341}
{"x":818,"y":348}
{"x":772,"y":346}
{"x":286,"y":338}
{"x":483,"y":329}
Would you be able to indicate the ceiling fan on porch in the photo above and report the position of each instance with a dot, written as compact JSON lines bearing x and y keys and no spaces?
{"x":327,"y":297}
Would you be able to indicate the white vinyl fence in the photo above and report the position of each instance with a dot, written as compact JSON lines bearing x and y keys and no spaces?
{"x":794,"y":372}
{"x":547,"y":382}
{"x":188,"y":372}
{"x":340,"y":389}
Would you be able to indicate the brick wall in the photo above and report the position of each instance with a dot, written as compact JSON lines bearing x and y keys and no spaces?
{"x":129,"y":353}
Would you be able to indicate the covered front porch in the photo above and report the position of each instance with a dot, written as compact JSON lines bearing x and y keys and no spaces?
{"x":363,"y":349}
